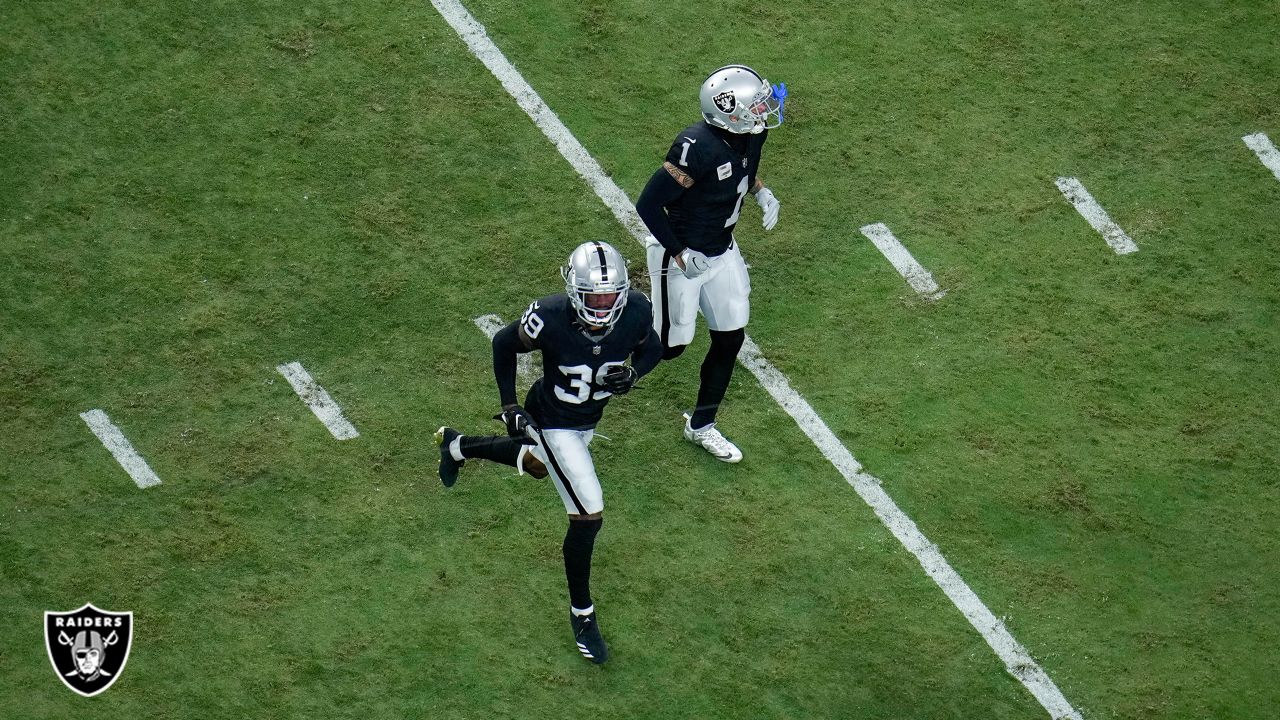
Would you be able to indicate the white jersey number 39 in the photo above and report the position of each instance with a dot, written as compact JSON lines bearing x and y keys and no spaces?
{"x":530,"y":321}
{"x":580,"y":382}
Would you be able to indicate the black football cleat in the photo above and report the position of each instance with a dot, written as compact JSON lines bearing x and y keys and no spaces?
{"x":586,"y":633}
{"x":448,"y":466}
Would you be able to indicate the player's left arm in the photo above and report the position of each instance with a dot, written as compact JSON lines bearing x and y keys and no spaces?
{"x":647,"y":354}
{"x":509,"y":342}
{"x":768,"y":203}
{"x":644,"y":358}
{"x":765,"y":198}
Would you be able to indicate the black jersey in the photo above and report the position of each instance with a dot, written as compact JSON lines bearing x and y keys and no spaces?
{"x":574,"y":362}
{"x":723,"y":167}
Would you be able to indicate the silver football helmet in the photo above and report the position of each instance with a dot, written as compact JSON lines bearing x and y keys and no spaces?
{"x":737,"y":99}
{"x":595,"y":278}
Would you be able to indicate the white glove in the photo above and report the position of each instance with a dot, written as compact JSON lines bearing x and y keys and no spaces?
{"x":695,"y":263}
{"x":769,"y":204}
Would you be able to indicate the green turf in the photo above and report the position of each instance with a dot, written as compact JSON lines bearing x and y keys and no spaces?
{"x":195,"y":192}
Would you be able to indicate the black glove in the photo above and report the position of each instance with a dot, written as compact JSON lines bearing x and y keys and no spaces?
{"x":620,"y":379}
{"x":518,"y":423}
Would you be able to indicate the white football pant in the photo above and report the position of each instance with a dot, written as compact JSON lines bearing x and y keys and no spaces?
{"x":721,"y":293}
{"x":569,"y":463}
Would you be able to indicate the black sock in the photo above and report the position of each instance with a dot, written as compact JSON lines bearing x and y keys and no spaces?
{"x":717,"y":369}
{"x":579,"y":541}
{"x":498,"y":448}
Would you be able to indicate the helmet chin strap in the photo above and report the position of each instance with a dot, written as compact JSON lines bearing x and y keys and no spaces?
{"x":585,"y":329}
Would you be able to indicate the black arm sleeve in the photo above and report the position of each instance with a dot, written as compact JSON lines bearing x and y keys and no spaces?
{"x":646,"y":355}
{"x":506,"y":344}
{"x":659,"y":192}
{"x":758,"y":145}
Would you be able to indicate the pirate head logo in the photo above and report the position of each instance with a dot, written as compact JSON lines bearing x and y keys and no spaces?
{"x":88,"y":647}
{"x":725,"y":101}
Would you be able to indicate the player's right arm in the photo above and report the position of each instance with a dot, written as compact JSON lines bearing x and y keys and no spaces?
{"x":678,"y":173}
{"x":508,"y":343}
{"x":661,"y":190}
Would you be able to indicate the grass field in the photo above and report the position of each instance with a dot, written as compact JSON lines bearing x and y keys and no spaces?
{"x":192,"y":193}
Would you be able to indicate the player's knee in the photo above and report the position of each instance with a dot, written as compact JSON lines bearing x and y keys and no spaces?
{"x":727,"y":342}
{"x":534,"y":467}
{"x":673,"y":352}
{"x":580,"y":537}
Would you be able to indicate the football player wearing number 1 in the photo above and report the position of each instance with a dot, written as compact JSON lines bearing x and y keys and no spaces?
{"x":586,"y":335}
{"x":691,"y":205}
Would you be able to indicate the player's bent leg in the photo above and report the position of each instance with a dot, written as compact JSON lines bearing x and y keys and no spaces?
{"x":451,"y":460}
{"x":456,"y":449}
{"x":529,"y":463}
{"x":498,"y":448}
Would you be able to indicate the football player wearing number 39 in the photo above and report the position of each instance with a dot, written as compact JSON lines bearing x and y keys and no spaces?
{"x":691,"y":205}
{"x":586,"y":335}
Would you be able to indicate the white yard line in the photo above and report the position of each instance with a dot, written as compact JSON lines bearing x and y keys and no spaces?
{"x":1266,"y":151}
{"x":325,"y":409}
{"x":490,"y":325}
{"x":474,"y":35}
{"x":1073,"y":190}
{"x":120,"y":447}
{"x":1017,"y":660}
{"x":913,"y":272}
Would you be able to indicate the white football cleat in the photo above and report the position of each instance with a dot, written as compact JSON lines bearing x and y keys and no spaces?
{"x":713,"y":442}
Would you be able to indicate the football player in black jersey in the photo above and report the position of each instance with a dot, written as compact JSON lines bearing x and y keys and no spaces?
{"x":586,"y":335}
{"x":691,"y":205}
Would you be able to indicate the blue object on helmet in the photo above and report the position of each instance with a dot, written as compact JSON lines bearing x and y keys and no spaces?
{"x":780,"y":94}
